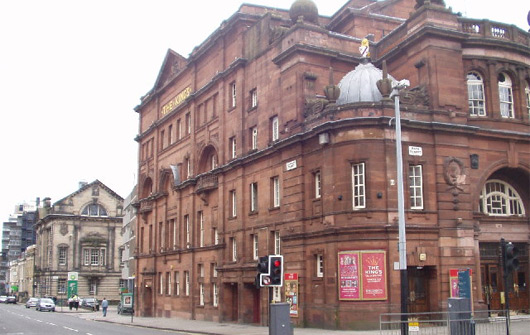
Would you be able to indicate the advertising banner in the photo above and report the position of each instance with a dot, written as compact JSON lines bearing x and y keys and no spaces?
{"x":349,"y":283}
{"x":362,"y":275}
{"x":127,"y":300}
{"x":373,"y":275}
{"x":291,"y":293}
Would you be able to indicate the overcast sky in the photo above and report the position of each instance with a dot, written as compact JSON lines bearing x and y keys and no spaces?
{"x":71,"y":73}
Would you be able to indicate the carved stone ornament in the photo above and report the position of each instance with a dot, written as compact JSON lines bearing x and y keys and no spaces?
{"x":420,"y":3}
{"x":384,"y":85}
{"x":314,"y":106}
{"x":454,"y":173}
{"x":417,"y":96}
{"x":64,"y":229}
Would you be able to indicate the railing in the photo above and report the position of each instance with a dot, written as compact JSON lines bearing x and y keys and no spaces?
{"x":442,"y":323}
{"x":490,"y":29}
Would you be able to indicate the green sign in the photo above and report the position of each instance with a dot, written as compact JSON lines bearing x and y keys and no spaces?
{"x":14,"y":288}
{"x":72,"y":288}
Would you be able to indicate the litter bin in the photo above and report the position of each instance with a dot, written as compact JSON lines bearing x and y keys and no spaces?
{"x":280,"y":320}
{"x":460,"y":321}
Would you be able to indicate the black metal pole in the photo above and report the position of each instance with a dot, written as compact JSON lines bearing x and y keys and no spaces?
{"x":506,"y":290}
{"x":404,"y":297}
{"x":269,"y":289}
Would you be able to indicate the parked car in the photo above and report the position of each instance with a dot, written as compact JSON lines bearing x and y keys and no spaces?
{"x":45,"y":304}
{"x":3,"y":298}
{"x":32,"y":302}
{"x":91,"y":303}
{"x":11,"y":299}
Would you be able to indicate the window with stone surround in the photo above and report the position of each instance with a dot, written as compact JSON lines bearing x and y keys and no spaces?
{"x":232,"y":147}
{"x":527,"y":97}
{"x":233,"y":95}
{"x":232,"y":202}
{"x":253,"y":197}
{"x":275,"y":183}
{"x":63,"y":252}
{"x":215,"y":295}
{"x":254,"y":138}
{"x":177,"y":283}
{"x":358,"y":185}
{"x":319,"y":265}
{"x":255,"y":246}
{"x":317,"y":184}
{"x":275,"y":128}
{"x":233,"y":249}
{"x":94,"y":210}
{"x":416,"y":186}
{"x":505,"y":96}
{"x":499,"y":198}
{"x":187,"y":283}
{"x":254,"y":98}
{"x":475,"y":93}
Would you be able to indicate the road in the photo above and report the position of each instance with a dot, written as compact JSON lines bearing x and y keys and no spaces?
{"x":19,"y":320}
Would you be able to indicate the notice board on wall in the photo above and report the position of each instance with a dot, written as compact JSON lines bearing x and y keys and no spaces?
{"x":362,"y":275}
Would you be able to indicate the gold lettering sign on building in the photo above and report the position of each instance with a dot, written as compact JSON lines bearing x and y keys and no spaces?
{"x":177,"y":100}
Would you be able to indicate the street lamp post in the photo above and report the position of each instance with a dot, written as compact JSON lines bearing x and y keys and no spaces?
{"x":402,"y":244}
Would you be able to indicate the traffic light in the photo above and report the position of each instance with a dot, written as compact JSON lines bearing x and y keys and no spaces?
{"x":270,"y":271}
{"x":263,"y":270}
{"x":511,"y":263}
{"x":276,"y":265}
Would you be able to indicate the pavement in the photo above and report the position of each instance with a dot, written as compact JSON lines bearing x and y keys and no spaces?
{"x":196,"y":326}
{"x":519,"y":325}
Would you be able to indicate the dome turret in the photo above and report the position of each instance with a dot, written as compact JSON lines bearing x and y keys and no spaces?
{"x":360,"y":85}
{"x":305,"y":8}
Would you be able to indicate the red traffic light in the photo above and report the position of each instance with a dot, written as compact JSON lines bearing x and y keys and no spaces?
{"x":277,"y":263}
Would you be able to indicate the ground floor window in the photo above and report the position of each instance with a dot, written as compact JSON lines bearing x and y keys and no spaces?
{"x":61,"y":286}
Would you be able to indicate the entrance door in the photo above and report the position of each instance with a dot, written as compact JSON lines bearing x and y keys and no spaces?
{"x":230,"y":301}
{"x":491,"y":286}
{"x":256,"y":305}
{"x":519,"y":290}
{"x":493,"y":282}
{"x":147,"y":300}
{"x":418,"y":289}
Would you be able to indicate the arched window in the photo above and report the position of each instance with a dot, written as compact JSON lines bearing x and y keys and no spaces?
{"x":527,"y":95}
{"x":500,"y":199}
{"x":475,"y":93}
{"x":505,"y":95}
{"x":94,"y":210}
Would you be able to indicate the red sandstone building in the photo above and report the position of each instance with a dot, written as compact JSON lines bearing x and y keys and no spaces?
{"x":248,"y":149}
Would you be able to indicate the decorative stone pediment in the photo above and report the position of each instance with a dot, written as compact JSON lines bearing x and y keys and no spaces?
{"x":94,"y":239}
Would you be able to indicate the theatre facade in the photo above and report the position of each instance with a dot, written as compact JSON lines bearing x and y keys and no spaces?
{"x":277,"y":136}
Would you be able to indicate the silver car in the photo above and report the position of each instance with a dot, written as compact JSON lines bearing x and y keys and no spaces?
{"x":32,"y":302}
{"x":45,"y":304}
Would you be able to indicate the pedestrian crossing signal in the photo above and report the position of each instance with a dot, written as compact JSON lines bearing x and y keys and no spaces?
{"x":270,"y":271}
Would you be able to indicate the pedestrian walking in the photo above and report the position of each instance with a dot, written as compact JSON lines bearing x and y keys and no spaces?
{"x":76,"y":302}
{"x":104,"y":305}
